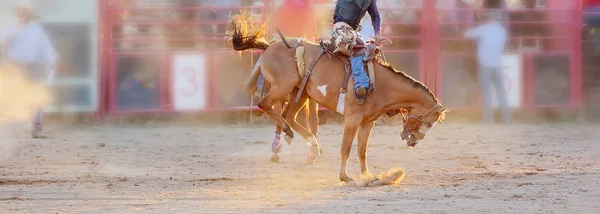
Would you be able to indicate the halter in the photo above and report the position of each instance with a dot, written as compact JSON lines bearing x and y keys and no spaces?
{"x":420,"y":118}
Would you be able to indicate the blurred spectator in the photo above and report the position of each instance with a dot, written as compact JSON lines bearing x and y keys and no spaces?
{"x":592,"y":19}
{"x":407,"y":23}
{"x":296,"y":18}
{"x":592,"y":6}
{"x":491,"y":40}
{"x":29,"y":48}
{"x":286,"y":19}
{"x":464,"y":15}
{"x":138,"y":83}
{"x":533,"y":26}
{"x":216,"y":13}
{"x":495,"y":4}
{"x":183,"y":35}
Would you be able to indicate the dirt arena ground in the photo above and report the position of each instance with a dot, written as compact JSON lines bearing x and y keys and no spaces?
{"x":549,"y":168}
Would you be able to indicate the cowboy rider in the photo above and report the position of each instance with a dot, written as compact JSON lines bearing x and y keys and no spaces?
{"x":346,"y":38}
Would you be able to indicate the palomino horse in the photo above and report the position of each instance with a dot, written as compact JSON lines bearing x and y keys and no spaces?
{"x":394,"y":90}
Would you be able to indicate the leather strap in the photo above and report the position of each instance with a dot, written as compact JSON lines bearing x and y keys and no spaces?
{"x":371,"y":69}
{"x":348,"y":69}
{"x":308,"y":72}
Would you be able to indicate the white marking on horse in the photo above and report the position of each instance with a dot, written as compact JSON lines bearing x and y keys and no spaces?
{"x":323,"y":90}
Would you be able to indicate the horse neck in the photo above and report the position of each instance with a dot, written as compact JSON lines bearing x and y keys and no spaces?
{"x":408,"y":97}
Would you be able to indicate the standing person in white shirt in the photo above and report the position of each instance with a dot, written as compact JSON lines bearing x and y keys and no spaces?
{"x":28,"y":47}
{"x":491,"y":40}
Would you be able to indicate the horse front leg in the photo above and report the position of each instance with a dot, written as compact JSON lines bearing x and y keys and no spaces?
{"x":364,"y":132}
{"x":350,"y":128}
{"x":313,"y":118}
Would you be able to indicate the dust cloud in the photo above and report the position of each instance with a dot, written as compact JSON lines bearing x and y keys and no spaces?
{"x":19,"y":97}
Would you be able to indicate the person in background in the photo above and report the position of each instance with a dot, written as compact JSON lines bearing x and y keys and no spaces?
{"x":592,"y":19}
{"x":28,"y":47}
{"x":530,"y":31}
{"x":288,"y":21}
{"x":592,"y":7}
{"x":465,"y":14}
{"x":491,"y":40}
{"x":496,"y":5}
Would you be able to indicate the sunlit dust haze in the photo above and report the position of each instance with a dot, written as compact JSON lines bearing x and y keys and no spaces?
{"x":19,"y":97}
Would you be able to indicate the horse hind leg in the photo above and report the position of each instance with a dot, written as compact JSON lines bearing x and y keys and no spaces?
{"x":276,"y":145}
{"x":266,"y":104}
{"x":313,"y":118}
{"x":289,"y":113}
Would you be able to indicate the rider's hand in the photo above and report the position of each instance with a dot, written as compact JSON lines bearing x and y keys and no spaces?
{"x":377,"y":37}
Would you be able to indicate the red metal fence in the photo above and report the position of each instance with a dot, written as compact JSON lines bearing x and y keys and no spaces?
{"x":171,"y":58}
{"x":541,"y":64}
{"x":166,"y":64}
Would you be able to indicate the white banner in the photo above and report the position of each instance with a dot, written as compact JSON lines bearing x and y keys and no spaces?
{"x":512,"y":76}
{"x":189,"y":81}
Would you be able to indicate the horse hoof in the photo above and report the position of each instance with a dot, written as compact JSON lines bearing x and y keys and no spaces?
{"x":316,"y":150}
{"x":289,"y":140}
{"x":289,"y":133}
{"x":311,"y":158}
{"x":346,"y":180}
{"x":275,"y":159}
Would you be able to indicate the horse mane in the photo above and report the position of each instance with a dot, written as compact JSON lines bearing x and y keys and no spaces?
{"x":414,"y":83}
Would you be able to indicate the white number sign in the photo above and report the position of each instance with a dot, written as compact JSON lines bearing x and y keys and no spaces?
{"x":189,"y":81}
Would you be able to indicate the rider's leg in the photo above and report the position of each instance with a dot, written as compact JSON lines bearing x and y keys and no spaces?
{"x":361,"y":81}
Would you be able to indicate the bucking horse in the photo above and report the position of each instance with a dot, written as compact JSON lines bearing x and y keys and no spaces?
{"x":301,"y":69}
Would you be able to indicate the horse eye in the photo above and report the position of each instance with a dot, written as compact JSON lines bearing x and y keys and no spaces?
{"x":428,"y":125}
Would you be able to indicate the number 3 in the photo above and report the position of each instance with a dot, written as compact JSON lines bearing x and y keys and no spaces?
{"x":191,"y":77}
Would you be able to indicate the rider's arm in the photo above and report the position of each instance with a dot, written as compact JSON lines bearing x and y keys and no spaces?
{"x":375,"y":18}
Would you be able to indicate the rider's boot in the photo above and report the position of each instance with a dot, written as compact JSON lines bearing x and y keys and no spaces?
{"x":361,"y":94}
{"x":361,"y":81}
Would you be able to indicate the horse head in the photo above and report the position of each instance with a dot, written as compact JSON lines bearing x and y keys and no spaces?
{"x":419,"y":121}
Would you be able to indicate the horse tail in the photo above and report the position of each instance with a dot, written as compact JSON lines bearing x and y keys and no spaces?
{"x":242,"y":39}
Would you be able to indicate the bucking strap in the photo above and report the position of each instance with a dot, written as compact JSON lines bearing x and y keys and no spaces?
{"x":308,"y":72}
